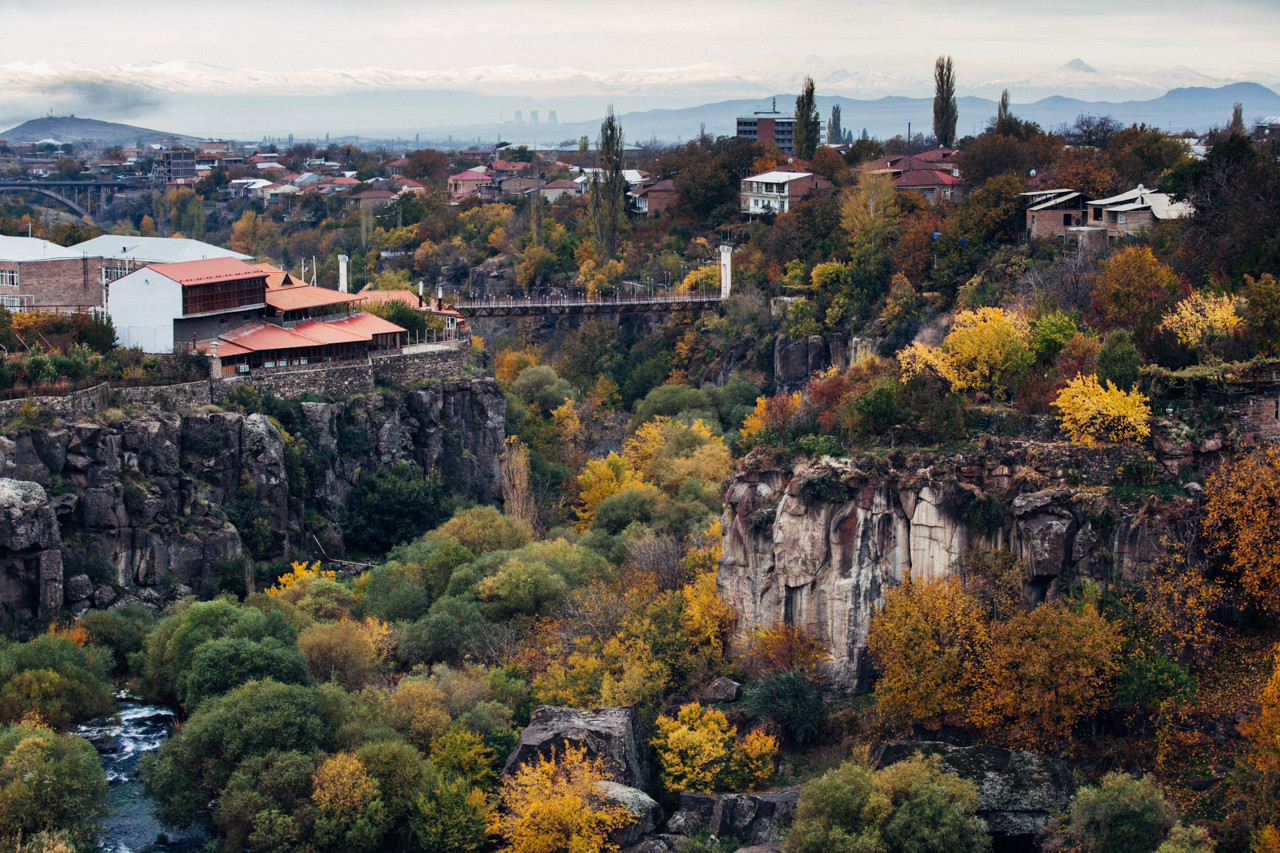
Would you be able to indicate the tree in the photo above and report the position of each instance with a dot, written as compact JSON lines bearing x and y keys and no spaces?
{"x":1092,"y":414}
{"x":343,"y":652}
{"x":835,"y":135}
{"x":483,"y":529}
{"x":601,"y":479}
{"x":1201,"y":320}
{"x":392,"y":504}
{"x":608,"y":190}
{"x":1262,"y":311}
{"x":945,"y":110}
{"x":1117,"y":361}
{"x":517,"y":498}
{"x":1046,"y":671}
{"x":699,"y":751}
{"x":1237,"y":118}
{"x":1240,"y":516}
{"x":350,"y":814}
{"x":928,"y":645}
{"x":1127,"y":815}
{"x":1134,"y":290}
{"x":49,"y":783}
{"x":805,"y":136}
{"x":553,"y":805}
{"x":907,"y":807}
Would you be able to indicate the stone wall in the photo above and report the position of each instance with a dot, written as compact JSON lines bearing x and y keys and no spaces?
{"x":75,"y":404}
{"x":444,"y":362}
{"x":171,"y":398}
{"x":326,"y":380}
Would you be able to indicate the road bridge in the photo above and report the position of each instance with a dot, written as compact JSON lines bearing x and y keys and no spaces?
{"x":68,"y":193}
{"x":567,"y":306}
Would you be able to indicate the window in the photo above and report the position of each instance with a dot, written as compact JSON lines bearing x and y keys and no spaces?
{"x":9,"y":278}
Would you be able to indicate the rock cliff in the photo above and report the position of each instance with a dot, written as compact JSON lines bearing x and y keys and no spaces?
{"x":818,"y":544}
{"x":154,"y":493}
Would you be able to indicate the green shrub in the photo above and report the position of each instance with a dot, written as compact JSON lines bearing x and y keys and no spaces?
{"x":48,"y":783}
{"x":790,"y":701}
{"x":1121,"y":815}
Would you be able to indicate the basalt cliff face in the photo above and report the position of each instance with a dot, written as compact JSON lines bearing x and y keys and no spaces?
{"x":152,"y":493}
{"x":819,"y":543}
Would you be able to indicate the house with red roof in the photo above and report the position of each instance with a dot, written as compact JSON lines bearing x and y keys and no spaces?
{"x":652,"y":199}
{"x":468,"y":183}
{"x":934,"y":185}
{"x":555,"y":190}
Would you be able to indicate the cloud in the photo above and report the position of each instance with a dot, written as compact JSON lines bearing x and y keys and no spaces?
{"x":102,"y":98}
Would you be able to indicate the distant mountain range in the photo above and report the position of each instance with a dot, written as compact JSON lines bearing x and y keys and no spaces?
{"x":72,"y":129}
{"x":388,"y":116}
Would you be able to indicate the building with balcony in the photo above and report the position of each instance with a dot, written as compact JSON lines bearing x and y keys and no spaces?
{"x":779,"y":190}
{"x":773,"y":126}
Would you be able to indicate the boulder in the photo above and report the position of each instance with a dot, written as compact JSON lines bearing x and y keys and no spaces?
{"x":722,"y":690}
{"x":644,"y":809}
{"x":747,"y":818}
{"x":103,"y":596}
{"x":1018,"y":792}
{"x":612,"y":734}
{"x":77,"y":588}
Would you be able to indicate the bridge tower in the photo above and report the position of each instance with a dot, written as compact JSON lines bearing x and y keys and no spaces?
{"x":726,"y":270}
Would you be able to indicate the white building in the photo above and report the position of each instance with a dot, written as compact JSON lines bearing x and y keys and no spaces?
{"x":778,"y":191}
{"x":122,"y":254}
{"x":161,"y":305}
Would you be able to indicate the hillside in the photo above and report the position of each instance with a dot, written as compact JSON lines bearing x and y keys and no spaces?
{"x":73,"y":129}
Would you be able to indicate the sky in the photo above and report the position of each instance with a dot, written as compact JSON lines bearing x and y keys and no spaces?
{"x":149,"y":60}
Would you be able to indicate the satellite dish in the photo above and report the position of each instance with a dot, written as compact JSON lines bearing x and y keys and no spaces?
{"x":1033,"y":173}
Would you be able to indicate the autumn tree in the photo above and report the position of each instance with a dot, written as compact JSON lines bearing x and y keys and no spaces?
{"x":254,"y":235}
{"x":1201,"y":320}
{"x":557,"y":804}
{"x":928,"y":645}
{"x":1134,"y":290}
{"x":699,"y":751}
{"x":945,"y":110}
{"x":1262,"y":311}
{"x":1093,"y":414}
{"x":805,"y":135}
{"x":49,"y":783}
{"x":350,"y":814}
{"x":1046,"y":671}
{"x":1240,"y":516}
{"x":986,"y":350}
{"x":517,"y":497}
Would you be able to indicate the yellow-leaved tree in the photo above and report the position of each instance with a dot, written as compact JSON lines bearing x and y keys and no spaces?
{"x":558,"y":806}
{"x":985,"y":350}
{"x":350,"y":814}
{"x":1092,"y":414}
{"x":699,"y":751}
{"x":928,"y":644}
{"x":669,"y":453}
{"x":603,"y":478}
{"x":1239,"y":520}
{"x":1202,"y":319}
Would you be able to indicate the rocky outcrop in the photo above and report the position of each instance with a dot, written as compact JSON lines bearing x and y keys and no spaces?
{"x":796,"y":360}
{"x":611,"y":734}
{"x":30,"y":562}
{"x":819,"y":544}
{"x":747,"y":818}
{"x":1018,"y":792}
{"x":646,"y":814}
{"x":157,"y":494}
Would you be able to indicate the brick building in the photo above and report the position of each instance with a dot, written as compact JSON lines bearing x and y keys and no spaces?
{"x":38,"y":275}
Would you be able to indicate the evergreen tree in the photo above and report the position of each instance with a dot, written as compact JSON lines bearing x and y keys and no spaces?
{"x":834,"y":136}
{"x":608,"y":190}
{"x":1237,"y":118}
{"x":945,"y":110}
{"x":807,"y":122}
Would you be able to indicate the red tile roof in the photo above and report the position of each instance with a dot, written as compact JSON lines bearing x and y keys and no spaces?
{"x":366,"y":323}
{"x":922,"y":178}
{"x":933,"y":155}
{"x":471,"y":176}
{"x":208,"y":271}
{"x":259,"y":336}
{"x":560,"y":184}
{"x":330,"y":333}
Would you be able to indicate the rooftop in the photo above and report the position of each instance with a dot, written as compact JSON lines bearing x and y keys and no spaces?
{"x":160,"y":250}
{"x":189,"y":273}
{"x":23,"y":249}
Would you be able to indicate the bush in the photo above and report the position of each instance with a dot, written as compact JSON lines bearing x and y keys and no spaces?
{"x":483,"y":529}
{"x":699,"y":751}
{"x":1120,"y":815}
{"x":1092,"y":414}
{"x":1118,"y":361}
{"x":791,"y":701}
{"x":121,"y":629}
{"x":390,"y":505}
{"x":906,"y":807}
{"x":48,"y":783}
{"x":57,"y":680}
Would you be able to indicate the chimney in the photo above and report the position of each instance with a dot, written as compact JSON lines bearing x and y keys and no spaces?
{"x":342,"y":273}
{"x":439,"y":291}
{"x":419,"y":288}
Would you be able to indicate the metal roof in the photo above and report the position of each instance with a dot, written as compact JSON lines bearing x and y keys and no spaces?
{"x":25,"y":249}
{"x":159,"y":250}
{"x":208,"y":272}
{"x":305,"y":296}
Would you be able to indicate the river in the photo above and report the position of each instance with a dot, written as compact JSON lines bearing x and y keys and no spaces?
{"x":131,"y":825}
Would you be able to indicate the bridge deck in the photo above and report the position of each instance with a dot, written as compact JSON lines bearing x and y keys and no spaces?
{"x":568,"y":305}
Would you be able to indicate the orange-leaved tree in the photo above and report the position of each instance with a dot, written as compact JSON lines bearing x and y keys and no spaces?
{"x":928,"y":645}
{"x":782,"y":648}
{"x":557,"y":804}
{"x":1046,"y":670}
{"x":1239,"y":521}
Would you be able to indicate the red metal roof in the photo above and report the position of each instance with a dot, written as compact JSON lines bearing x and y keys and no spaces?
{"x":366,"y":323}
{"x":263,"y":336}
{"x":304,"y":296}
{"x":330,"y":333}
{"x":208,"y":271}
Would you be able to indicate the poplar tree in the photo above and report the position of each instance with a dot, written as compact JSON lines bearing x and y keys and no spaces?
{"x":608,"y":190}
{"x":834,"y":136}
{"x":805,"y":137}
{"x":945,"y":110}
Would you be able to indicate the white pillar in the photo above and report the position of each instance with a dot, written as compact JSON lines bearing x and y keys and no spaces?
{"x":726,"y":270}
{"x":342,"y":273}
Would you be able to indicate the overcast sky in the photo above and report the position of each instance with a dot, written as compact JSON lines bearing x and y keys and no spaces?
{"x":148,"y":59}
{"x":1221,"y":36}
